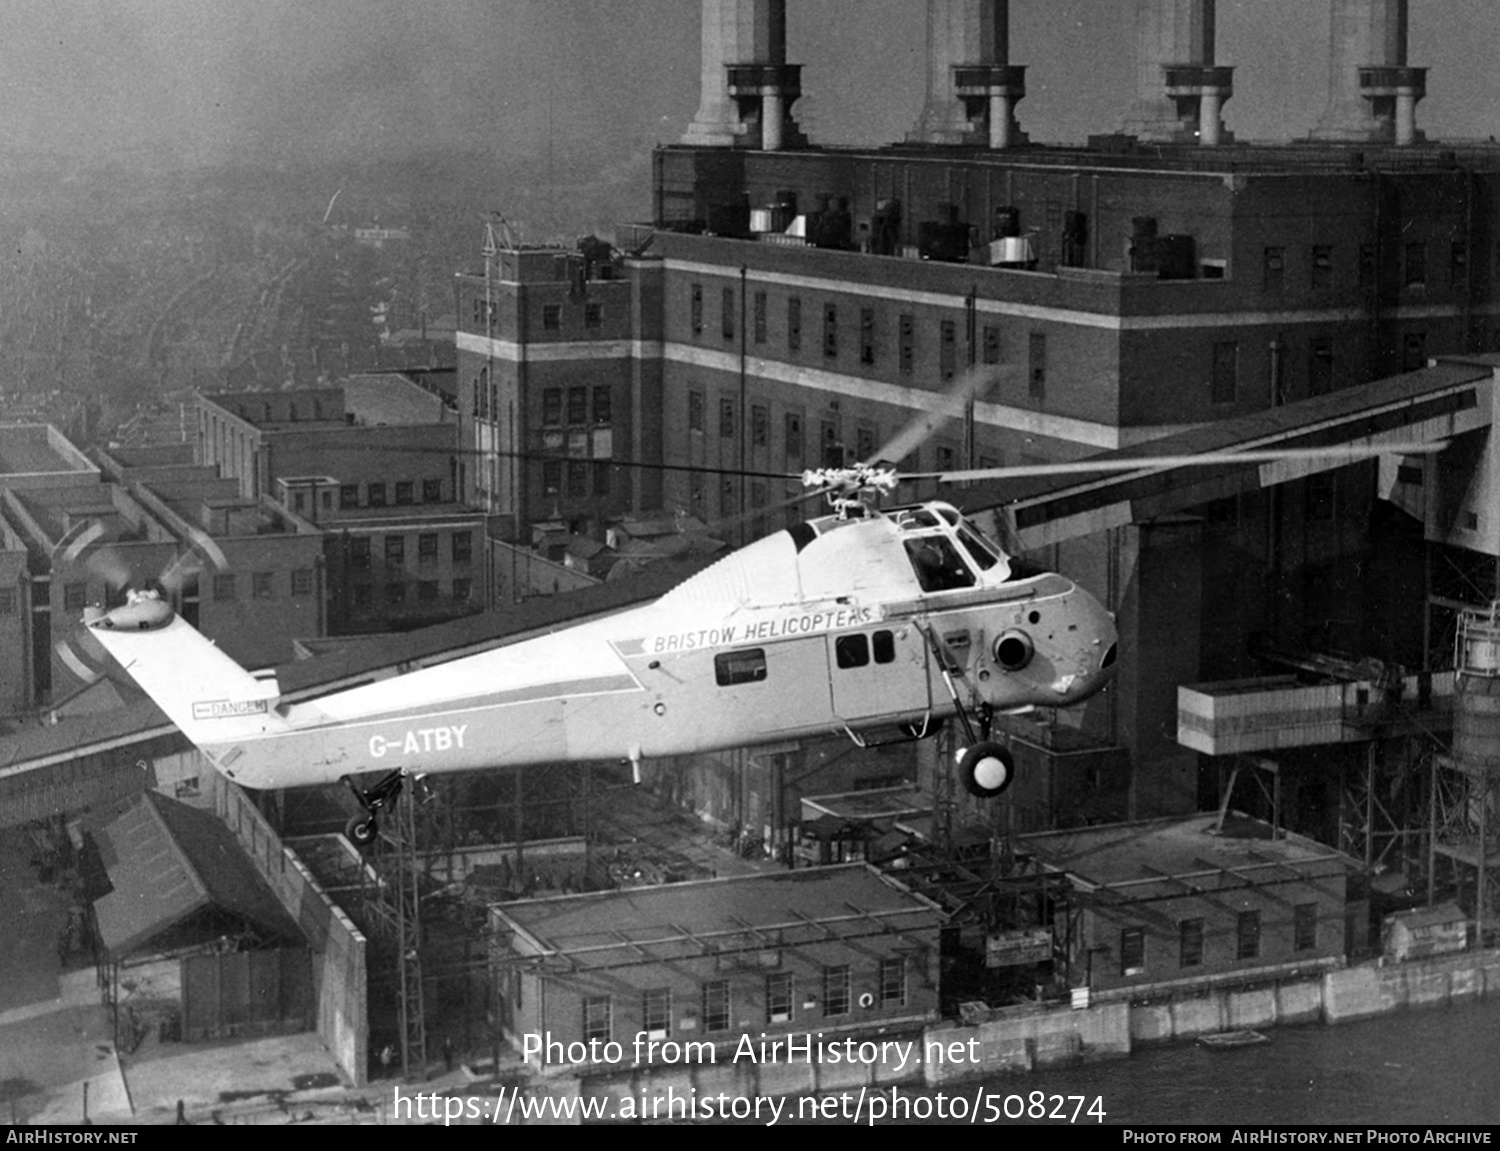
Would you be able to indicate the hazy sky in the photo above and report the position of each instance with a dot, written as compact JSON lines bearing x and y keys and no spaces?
{"x":207,"y":80}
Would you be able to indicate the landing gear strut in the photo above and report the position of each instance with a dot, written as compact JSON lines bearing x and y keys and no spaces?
{"x":364,"y":827}
{"x":986,"y":768}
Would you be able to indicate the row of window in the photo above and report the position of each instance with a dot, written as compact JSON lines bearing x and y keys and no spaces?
{"x":377,"y":493}
{"x":262,"y":585}
{"x":577,"y":410}
{"x":1224,"y":375}
{"x":986,"y":341}
{"x":1322,"y":262}
{"x":577,"y":479}
{"x":1247,"y":939}
{"x":362,"y":595}
{"x":461,"y":548}
{"x":748,"y":665}
{"x":716,"y":1007}
{"x":485,"y":313}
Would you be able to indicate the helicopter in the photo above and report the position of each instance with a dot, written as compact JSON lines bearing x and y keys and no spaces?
{"x":867,"y":622}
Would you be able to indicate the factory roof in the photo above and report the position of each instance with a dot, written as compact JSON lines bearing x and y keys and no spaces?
{"x":1178,"y":855}
{"x":716,"y":917}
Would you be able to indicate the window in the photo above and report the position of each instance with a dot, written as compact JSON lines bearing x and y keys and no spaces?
{"x":261,"y":584}
{"x":8,"y":601}
{"x":596,"y":1018}
{"x":695,"y":412}
{"x":375,"y":495}
{"x":726,"y":419}
{"x":695,"y":309}
{"x":406,"y":493}
{"x":760,"y":318}
{"x":1366,"y":265}
{"x":1322,"y":265}
{"x":794,"y":449}
{"x":745,"y":666}
{"x":851,"y":651}
{"x":656,"y":1013}
{"x":1416,"y":265}
{"x":1190,"y":943}
{"x":552,"y":477}
{"x":395,"y":550}
{"x":593,"y":314}
{"x":836,"y":990}
{"x":760,"y":426}
{"x":427,"y":590}
{"x":864,"y":442}
{"x":779,"y":998}
{"x":1224,"y":386}
{"x":601,"y":479}
{"x":884,"y":645}
{"x":302,"y":582}
{"x":907,"y":333}
{"x":578,"y":406}
{"x":551,"y":317}
{"x":326,"y":499}
{"x":1320,"y":366}
{"x":1274,"y":276}
{"x":947,"y":349}
{"x":359,"y":553}
{"x":427,"y":548}
{"x":299,"y":502}
{"x":830,"y":331}
{"x":867,"y":335}
{"x":794,"y":324}
{"x":348,"y":495}
{"x":551,"y":407}
{"x":604,"y":404}
{"x":1247,"y":935}
{"x":716,"y":1005}
{"x":463,"y":547}
{"x":579,"y":473}
{"x":726,"y":320}
{"x":893,"y":979}
{"x":1305,"y":926}
{"x":1037,"y":377}
{"x":936,"y":563}
{"x":395,"y":594}
{"x":76,"y":596}
{"x":224,"y":585}
{"x":462,"y":590}
{"x":1133,"y":951}
{"x":991,"y":344}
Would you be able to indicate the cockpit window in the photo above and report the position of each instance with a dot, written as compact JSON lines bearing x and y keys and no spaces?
{"x":978,"y":547}
{"x":937,"y":563}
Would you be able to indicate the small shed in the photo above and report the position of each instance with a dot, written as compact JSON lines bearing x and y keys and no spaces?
{"x":1424,"y":932}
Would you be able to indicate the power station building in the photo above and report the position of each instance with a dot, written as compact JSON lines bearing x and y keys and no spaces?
{"x":791,"y":306}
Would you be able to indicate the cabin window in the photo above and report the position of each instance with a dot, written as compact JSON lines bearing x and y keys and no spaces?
{"x":745,"y":666}
{"x":851,"y":651}
{"x":885,"y":647}
{"x":979,"y":551}
{"x":937,"y":564}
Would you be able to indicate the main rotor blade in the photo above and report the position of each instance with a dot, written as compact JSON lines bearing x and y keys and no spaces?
{"x":1347,"y":452}
{"x":969,"y":385}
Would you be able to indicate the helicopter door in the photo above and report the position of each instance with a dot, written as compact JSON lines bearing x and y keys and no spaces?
{"x":879,"y":675}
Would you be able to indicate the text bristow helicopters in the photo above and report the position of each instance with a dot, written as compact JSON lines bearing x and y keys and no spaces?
{"x":863,"y":619}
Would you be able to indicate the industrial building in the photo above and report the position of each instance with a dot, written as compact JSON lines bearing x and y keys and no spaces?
{"x":829,"y":950}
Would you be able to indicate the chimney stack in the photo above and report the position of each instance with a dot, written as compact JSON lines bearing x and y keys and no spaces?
{"x":972,"y":88}
{"x":748,"y":87}
{"x":1372,"y":94}
{"x":1180,"y":92}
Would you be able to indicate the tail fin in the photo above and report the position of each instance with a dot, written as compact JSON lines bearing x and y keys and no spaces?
{"x":205,"y":693}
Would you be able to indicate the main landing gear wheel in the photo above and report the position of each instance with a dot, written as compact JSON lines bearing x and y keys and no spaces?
{"x":986,"y":769}
{"x":364,"y":827}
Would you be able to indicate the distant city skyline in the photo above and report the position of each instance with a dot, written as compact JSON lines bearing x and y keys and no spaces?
{"x":210,"y":81}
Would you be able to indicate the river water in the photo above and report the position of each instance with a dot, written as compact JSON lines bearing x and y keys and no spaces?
{"x":1430,"y":1066}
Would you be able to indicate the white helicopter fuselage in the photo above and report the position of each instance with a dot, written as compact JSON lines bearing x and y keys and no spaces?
{"x":838,"y":626}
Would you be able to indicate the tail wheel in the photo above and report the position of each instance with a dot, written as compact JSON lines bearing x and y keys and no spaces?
{"x":361,"y":830}
{"x":986,"y":769}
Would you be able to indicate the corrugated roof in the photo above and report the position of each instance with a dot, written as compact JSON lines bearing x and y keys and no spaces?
{"x":168,"y":862}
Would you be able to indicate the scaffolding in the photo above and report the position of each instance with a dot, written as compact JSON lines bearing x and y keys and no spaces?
{"x":393,"y":909}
